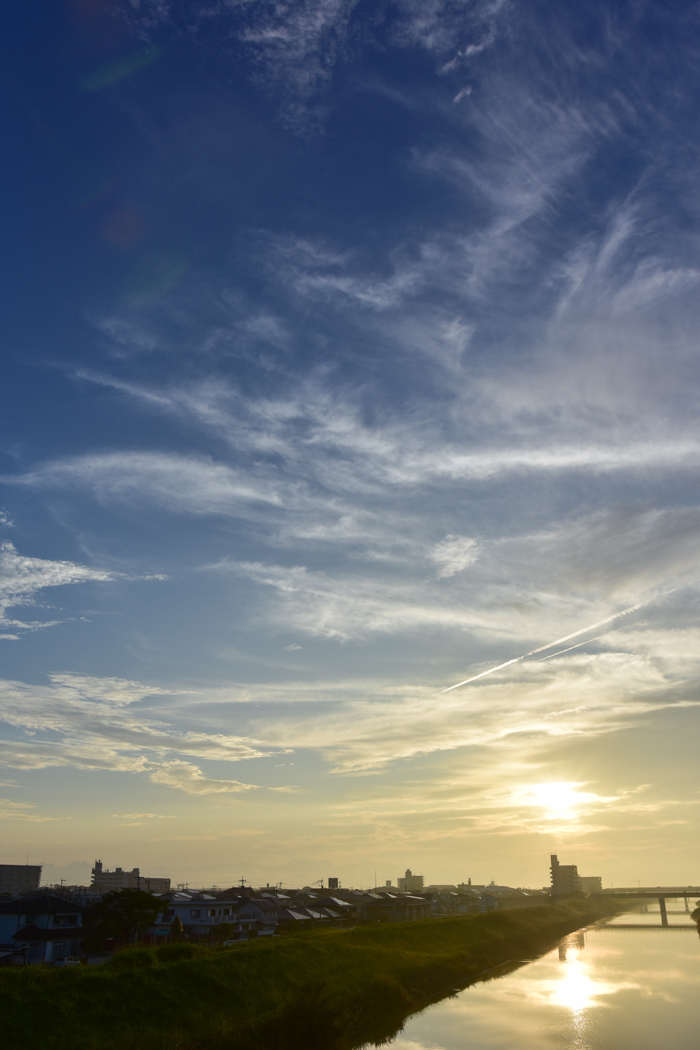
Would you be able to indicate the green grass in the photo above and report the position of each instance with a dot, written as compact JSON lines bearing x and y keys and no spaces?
{"x":317,"y":991}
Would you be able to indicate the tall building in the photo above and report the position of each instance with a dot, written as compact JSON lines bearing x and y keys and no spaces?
{"x":410,"y":883}
{"x":20,"y":878}
{"x":565,"y":877}
{"x":104,"y":880}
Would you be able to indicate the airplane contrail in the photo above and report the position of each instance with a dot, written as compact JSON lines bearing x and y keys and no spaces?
{"x":549,"y":645}
{"x":577,"y":646}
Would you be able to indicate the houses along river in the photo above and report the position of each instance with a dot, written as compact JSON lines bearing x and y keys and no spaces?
{"x":609,"y":987}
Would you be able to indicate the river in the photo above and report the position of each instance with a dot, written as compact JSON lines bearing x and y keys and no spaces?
{"x":607,"y":987}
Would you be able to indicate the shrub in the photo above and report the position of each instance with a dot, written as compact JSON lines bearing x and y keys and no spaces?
{"x":168,"y":953}
{"x":133,"y":959}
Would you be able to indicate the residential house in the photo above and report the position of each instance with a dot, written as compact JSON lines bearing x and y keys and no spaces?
{"x":390,"y":907}
{"x":49,"y":927}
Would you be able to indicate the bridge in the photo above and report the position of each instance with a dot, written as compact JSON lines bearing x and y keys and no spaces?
{"x":660,"y":893}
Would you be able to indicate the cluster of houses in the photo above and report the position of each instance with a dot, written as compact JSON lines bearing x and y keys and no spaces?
{"x":49,"y":926}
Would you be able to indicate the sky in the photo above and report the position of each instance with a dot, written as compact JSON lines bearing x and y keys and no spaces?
{"x":349,"y":352}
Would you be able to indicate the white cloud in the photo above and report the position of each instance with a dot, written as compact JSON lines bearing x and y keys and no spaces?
{"x":294,"y":45}
{"x":181,"y":483}
{"x":344,"y":606}
{"x":318,"y":272}
{"x":576,"y":696}
{"x":22,"y":578}
{"x":142,"y":816}
{"x":189,"y":778}
{"x":10,"y":810}
{"x":454,"y":554}
{"x":90,"y":723}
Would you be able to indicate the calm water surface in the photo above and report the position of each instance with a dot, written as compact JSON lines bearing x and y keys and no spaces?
{"x":607,"y":988}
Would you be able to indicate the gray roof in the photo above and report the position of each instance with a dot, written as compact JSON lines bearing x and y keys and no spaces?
{"x":41,"y":904}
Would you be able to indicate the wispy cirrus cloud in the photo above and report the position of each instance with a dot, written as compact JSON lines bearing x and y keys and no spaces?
{"x":185,"y":776}
{"x":293,"y":48}
{"x":363,"y":725}
{"x":11,"y":810}
{"x":23,"y":578}
{"x":90,"y":723}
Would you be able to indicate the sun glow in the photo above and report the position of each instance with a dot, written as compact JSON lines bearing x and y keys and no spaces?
{"x":575,"y":990}
{"x":559,"y":800}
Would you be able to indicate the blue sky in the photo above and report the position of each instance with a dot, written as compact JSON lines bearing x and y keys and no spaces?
{"x":349,"y":351}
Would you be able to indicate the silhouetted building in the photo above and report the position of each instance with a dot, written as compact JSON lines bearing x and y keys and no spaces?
{"x":565,"y":877}
{"x":591,"y":883}
{"x":333,"y":884}
{"x":20,"y":878}
{"x":104,"y":880}
{"x":410,"y":883}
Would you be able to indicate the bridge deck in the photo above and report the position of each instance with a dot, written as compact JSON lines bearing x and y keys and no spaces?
{"x":651,"y":891}
{"x":660,"y":893}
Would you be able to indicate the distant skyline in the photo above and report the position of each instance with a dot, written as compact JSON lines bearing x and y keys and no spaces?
{"x":350,"y":355}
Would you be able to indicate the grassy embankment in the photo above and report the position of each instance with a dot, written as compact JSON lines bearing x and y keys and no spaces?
{"x":317,"y":991}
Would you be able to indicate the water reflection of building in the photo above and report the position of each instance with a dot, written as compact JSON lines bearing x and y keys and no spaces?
{"x":575,"y":942}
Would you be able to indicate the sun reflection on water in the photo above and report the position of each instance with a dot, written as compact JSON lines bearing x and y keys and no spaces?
{"x":575,"y":989}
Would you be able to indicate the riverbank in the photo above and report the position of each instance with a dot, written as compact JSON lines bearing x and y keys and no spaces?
{"x":315,"y":991}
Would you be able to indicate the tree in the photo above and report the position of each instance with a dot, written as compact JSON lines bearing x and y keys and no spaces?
{"x":120,"y":916}
{"x":177,"y":930}
{"x":224,"y":931}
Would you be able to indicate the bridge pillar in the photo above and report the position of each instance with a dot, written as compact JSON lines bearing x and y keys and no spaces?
{"x":687,"y":908}
{"x":662,"y":907}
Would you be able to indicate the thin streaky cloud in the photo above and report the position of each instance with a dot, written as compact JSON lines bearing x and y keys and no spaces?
{"x":549,"y":645}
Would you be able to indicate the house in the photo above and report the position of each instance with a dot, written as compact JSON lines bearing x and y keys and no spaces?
{"x":49,"y":927}
{"x":196,"y":911}
{"x":451,"y":902}
{"x":390,"y":907}
{"x":202,"y":913}
{"x":504,"y":899}
{"x":10,"y":955}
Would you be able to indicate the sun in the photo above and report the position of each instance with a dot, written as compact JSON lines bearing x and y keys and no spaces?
{"x":560,"y":800}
